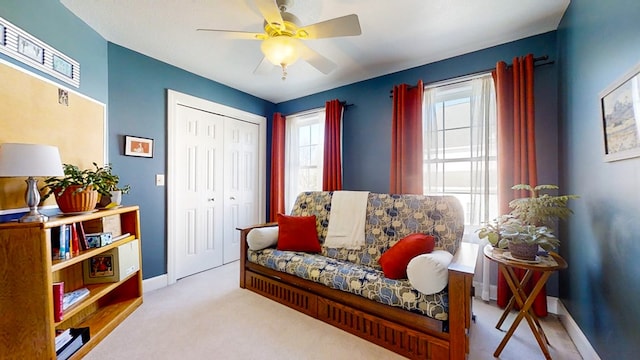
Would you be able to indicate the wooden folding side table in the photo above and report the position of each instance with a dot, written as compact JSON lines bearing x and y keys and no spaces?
{"x":543,"y":264}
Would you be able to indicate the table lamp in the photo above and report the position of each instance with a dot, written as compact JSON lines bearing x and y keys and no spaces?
{"x":30,"y":160}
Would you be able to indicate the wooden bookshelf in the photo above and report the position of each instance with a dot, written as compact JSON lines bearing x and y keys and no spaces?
{"x":27,"y":272}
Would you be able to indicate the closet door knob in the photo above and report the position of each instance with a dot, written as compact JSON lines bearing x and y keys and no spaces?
{"x":211,"y":199}
{"x":232,"y":198}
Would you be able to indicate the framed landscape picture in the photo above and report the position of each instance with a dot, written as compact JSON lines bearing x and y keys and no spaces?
{"x":620,"y":104}
{"x":137,"y":146}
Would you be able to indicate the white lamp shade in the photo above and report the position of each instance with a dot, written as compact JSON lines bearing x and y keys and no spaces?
{"x":24,"y":160}
{"x":281,"y":50}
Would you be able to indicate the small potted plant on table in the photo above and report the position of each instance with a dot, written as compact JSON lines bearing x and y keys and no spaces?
{"x":530,"y":223}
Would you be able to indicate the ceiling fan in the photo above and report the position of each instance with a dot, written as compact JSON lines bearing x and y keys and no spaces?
{"x":281,"y":43}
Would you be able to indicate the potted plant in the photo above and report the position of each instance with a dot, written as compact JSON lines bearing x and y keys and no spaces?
{"x":530,"y":223}
{"x":78,"y":190}
{"x":112,"y":196}
{"x":115,"y":196}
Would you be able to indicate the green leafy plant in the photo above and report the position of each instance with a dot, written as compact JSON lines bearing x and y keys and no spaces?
{"x":531,"y":219}
{"x":99,"y":178}
{"x":541,"y":209}
{"x":517,"y":232}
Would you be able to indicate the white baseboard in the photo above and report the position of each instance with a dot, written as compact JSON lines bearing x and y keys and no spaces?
{"x":154,"y":283}
{"x":577,"y":336}
{"x":555,"y":306}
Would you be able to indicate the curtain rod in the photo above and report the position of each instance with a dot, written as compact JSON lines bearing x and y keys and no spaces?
{"x":345,"y":105}
{"x":310,"y":111}
{"x":536,"y":59}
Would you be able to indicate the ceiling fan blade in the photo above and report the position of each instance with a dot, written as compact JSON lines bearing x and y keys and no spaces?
{"x":271,"y":13}
{"x":347,"y":25}
{"x":238,"y":34}
{"x":264,"y":67}
{"x":316,"y":60}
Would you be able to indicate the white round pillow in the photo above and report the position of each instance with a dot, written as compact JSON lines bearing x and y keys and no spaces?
{"x":261,"y":238}
{"x":428,"y":273}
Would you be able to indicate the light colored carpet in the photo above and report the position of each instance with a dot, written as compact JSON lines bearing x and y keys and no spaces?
{"x":207,"y":316}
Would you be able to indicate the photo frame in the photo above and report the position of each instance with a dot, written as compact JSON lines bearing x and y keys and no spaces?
{"x":101,"y":266}
{"x":620,"y":105}
{"x":138,"y":146}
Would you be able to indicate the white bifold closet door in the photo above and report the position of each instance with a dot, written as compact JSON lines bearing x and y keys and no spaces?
{"x":215,"y":188}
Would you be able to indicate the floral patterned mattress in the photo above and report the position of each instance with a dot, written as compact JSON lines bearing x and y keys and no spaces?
{"x":389,"y":219}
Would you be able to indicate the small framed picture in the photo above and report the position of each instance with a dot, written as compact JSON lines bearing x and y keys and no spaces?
{"x":138,"y":146}
{"x":620,"y":117}
{"x":101,"y":266}
{"x":29,"y":49}
{"x":62,"y":66}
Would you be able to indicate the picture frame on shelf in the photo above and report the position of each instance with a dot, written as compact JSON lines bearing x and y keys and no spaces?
{"x":620,"y":122}
{"x":138,"y":146}
{"x":101,"y":266}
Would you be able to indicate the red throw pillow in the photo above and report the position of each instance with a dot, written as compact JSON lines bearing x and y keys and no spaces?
{"x":298,"y":233}
{"x":395,"y":260}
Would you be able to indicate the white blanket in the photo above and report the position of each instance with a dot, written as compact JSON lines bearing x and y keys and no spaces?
{"x":347,"y":219}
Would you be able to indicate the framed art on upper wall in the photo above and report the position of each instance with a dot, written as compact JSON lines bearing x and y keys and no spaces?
{"x":137,"y":146}
{"x":620,"y":104}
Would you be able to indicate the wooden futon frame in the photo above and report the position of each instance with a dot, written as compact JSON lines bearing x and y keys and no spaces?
{"x":412,"y":335}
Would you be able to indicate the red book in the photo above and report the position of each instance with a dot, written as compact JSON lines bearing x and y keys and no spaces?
{"x":74,"y":240}
{"x":82,"y":239}
{"x":58,"y":296}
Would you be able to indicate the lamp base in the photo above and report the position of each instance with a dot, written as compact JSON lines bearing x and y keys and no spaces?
{"x":33,"y":216}
{"x":32,"y":198}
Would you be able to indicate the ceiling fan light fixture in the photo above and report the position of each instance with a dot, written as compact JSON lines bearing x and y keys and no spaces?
{"x":281,"y":50}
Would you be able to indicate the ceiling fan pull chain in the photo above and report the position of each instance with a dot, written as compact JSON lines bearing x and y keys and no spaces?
{"x":284,"y":71}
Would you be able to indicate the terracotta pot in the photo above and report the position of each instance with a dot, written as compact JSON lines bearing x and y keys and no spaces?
{"x":71,"y":201}
{"x":523,"y":251}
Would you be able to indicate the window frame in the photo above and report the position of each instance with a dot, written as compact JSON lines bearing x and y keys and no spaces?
{"x":452,"y":90}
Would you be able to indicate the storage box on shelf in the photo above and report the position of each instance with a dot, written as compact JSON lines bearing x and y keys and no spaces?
{"x":28,"y":328}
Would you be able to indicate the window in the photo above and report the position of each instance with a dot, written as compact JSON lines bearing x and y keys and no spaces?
{"x":304,"y":152}
{"x":460,"y":150}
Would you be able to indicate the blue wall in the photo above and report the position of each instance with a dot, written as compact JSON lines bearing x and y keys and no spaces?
{"x":52,"y":23}
{"x":137,"y":106}
{"x":367,"y":124}
{"x":598,"y":42}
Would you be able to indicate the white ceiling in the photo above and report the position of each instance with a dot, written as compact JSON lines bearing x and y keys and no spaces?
{"x":396,"y":35}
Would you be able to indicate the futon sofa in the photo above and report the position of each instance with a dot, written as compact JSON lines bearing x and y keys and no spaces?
{"x":348,"y":288}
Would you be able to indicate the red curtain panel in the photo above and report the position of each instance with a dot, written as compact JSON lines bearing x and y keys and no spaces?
{"x":332,"y":164}
{"x":276,"y":191}
{"x":516,"y":149}
{"x":406,"y":140}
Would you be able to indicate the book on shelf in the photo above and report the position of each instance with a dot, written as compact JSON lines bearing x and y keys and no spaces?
{"x":82,"y":239}
{"x":58,"y":300}
{"x":62,"y":338}
{"x":62,"y":242}
{"x":73,"y":297}
{"x":120,"y":237}
{"x":75,"y":241}
{"x":79,"y":337}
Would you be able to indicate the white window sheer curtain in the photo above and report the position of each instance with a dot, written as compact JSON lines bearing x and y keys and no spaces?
{"x":482,"y":200}
{"x":293,"y":163}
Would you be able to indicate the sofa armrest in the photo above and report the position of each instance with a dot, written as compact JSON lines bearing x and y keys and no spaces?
{"x":464,"y":260}
{"x":248,"y":228}
{"x":461,"y":271}
{"x":244,"y":247}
